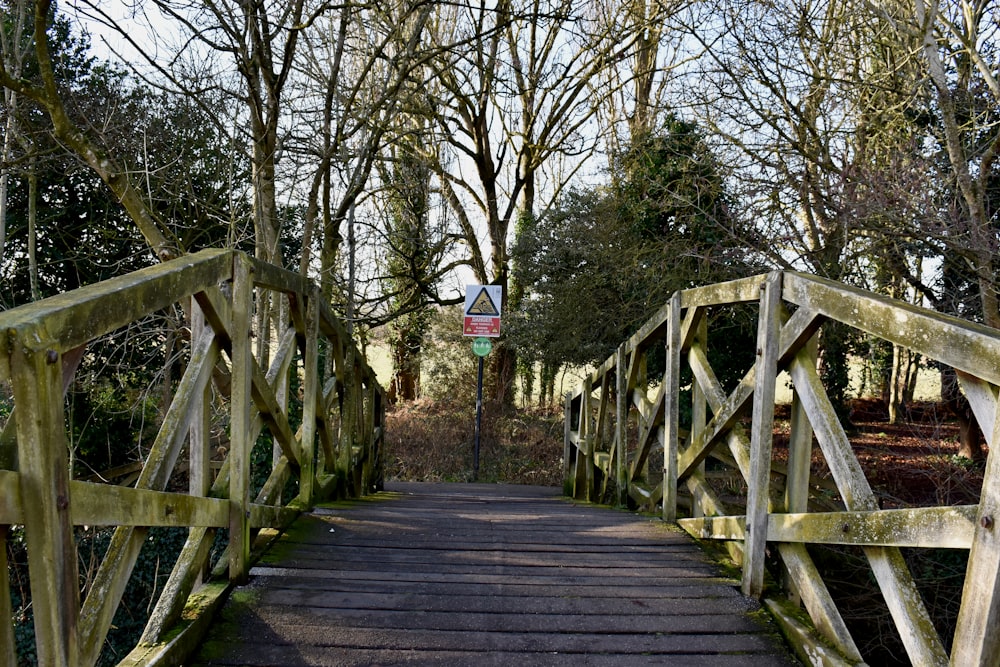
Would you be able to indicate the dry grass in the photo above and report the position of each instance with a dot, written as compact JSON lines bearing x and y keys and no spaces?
{"x":433,"y":440}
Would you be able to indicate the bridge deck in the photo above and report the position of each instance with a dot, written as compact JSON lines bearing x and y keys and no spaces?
{"x":458,"y":574}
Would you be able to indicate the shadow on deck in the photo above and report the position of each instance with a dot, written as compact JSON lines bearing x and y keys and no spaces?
{"x":458,"y":574}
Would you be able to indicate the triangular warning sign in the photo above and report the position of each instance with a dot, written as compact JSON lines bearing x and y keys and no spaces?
{"x":483,"y":305}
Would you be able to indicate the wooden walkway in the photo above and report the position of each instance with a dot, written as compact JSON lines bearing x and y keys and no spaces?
{"x":463,"y":574}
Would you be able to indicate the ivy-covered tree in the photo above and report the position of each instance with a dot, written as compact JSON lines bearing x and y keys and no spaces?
{"x":607,"y":257}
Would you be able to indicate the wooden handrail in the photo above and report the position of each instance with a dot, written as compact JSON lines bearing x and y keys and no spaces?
{"x":42,"y":345}
{"x":734,"y":429}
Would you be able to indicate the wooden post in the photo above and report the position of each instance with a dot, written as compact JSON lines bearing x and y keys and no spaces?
{"x":36,"y":377}
{"x":800,"y":444}
{"x":621,"y":426}
{"x":567,"y":444}
{"x":310,"y":390}
{"x":240,"y":422}
{"x":671,"y":409}
{"x":584,"y":482}
{"x":199,"y":477}
{"x":977,"y":635}
{"x":768,"y":334}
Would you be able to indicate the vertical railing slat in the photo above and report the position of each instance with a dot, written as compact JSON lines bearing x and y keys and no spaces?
{"x":671,"y":409}
{"x":310,"y":390}
{"x":977,"y":634}
{"x":240,"y":422}
{"x":758,"y":484}
{"x":621,"y":427}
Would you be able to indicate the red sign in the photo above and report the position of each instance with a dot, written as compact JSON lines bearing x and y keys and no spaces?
{"x":481,"y":325}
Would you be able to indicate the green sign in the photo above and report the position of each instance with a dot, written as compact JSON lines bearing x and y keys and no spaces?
{"x":481,"y":346}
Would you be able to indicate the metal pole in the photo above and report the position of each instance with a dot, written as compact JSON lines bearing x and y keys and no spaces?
{"x":479,"y":420}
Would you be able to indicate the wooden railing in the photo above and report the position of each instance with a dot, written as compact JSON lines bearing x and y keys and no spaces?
{"x":622,"y":415}
{"x":233,"y":362}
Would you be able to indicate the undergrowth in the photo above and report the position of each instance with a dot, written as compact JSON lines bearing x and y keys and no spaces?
{"x":432,"y":440}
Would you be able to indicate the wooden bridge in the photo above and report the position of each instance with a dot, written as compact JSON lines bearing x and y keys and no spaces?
{"x":662,"y":441}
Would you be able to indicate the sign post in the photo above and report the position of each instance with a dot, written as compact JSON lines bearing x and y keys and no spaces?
{"x":482,"y":320}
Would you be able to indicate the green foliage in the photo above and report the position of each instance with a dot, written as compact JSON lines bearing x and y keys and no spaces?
{"x":156,"y":559}
{"x":449,"y":365}
{"x":108,"y":421}
{"x":606,"y":258}
{"x":172,"y":142}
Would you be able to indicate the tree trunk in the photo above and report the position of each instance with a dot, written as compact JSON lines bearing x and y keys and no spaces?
{"x":36,"y":293}
{"x":970,"y":439}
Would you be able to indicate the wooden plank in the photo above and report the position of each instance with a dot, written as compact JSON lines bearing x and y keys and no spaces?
{"x":311,"y":395}
{"x":184,"y":576}
{"x":270,"y":411}
{"x":45,"y":499}
{"x":607,"y":587}
{"x":923,"y":646}
{"x":800,"y":443}
{"x":94,"y":310}
{"x":110,"y":505}
{"x":715,"y":527}
{"x":810,"y":588}
{"x":240,"y":424}
{"x":671,"y":410}
{"x":982,"y":398}
{"x":699,"y":420}
{"x":273,"y":277}
{"x":571,"y":443}
{"x":923,"y":527}
{"x":726,"y":413}
{"x":199,"y":433}
{"x":621,"y":427}
{"x":801,"y":637}
{"x":967,"y":346}
{"x":977,"y":633}
{"x":197,"y":615}
{"x":741,"y":290}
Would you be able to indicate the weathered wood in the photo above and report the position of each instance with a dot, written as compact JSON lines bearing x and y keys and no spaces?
{"x":570,"y":443}
{"x":242,"y":444}
{"x":741,"y":290}
{"x":112,"y":576}
{"x":95,"y":310}
{"x":311,"y":394}
{"x":8,"y":436}
{"x":816,"y":598}
{"x":45,"y":498}
{"x":198,"y":613}
{"x":517,"y":577}
{"x":977,"y":632}
{"x":964,"y":345}
{"x":199,"y":433}
{"x":809,"y":650}
{"x":919,"y":636}
{"x":924,"y":527}
{"x":183,"y":578}
{"x":671,"y":409}
{"x":716,"y":527}
{"x":800,"y":444}
{"x":699,"y":420}
{"x":621,"y":427}
{"x":275,"y":278}
{"x":109,"y":505}
{"x":982,"y":398}
{"x":970,"y":348}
